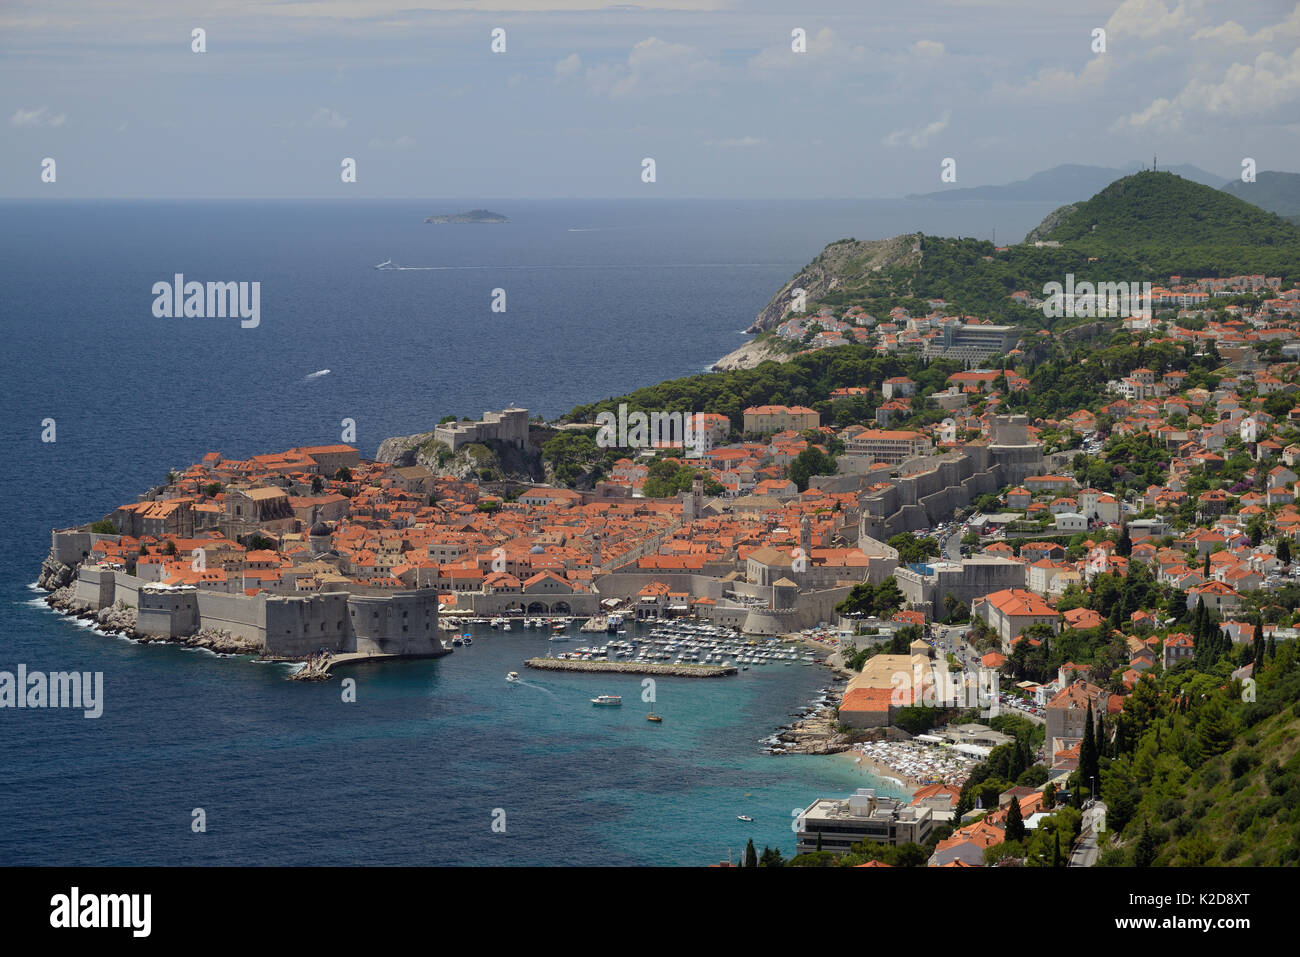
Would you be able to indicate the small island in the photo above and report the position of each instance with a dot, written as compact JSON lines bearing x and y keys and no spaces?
{"x":473,"y":216}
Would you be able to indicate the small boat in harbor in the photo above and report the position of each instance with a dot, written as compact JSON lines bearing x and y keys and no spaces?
{"x":745,"y":817}
{"x":655,"y":718}
{"x":607,"y":701}
{"x":458,"y":641}
{"x":467,"y":639}
{"x":512,"y":676}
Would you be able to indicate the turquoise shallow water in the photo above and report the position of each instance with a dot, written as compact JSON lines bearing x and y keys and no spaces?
{"x":413,"y":772}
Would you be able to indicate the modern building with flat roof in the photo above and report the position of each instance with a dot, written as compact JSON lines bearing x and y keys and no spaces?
{"x":861,"y":817}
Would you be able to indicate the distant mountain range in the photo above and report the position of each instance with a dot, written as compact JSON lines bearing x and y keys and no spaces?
{"x":1064,"y":184}
{"x":1277,"y":192}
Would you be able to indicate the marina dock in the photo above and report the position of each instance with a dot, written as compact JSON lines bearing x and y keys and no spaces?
{"x":633,"y":668}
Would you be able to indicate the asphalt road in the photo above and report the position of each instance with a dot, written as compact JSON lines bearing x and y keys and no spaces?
{"x":1085,"y":849}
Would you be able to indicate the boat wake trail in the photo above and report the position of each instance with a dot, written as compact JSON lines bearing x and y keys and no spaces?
{"x":529,"y":684}
{"x":315,"y":375}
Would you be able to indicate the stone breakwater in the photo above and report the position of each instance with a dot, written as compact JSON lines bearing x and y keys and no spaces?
{"x":632,"y":668}
{"x":121,"y":620}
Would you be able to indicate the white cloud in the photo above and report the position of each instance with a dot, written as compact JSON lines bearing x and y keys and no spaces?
{"x":1147,"y":18}
{"x":37,"y":117}
{"x":1251,"y":90}
{"x":570,"y":65}
{"x":1055,"y":83}
{"x":916,"y":138}
{"x":401,"y":143}
{"x":1233,"y":32}
{"x":325,"y":117}
{"x":653,"y":66}
{"x":928,"y":48}
{"x":822,"y":46}
{"x":742,"y":142}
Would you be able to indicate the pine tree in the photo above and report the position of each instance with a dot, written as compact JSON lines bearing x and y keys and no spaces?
{"x":1144,"y":854}
{"x":1015,"y":824}
{"x":1124,"y":546}
{"x":1049,"y":795}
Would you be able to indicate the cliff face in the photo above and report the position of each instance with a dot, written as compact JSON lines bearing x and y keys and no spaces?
{"x":849,"y":263}
{"x":473,"y":462}
{"x":1054,"y":218}
{"x":751,"y":354}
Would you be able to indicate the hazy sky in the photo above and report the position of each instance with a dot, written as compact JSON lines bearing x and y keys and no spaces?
{"x":710,"y":89}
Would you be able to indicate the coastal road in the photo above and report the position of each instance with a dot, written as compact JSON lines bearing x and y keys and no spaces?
{"x":1085,"y":850}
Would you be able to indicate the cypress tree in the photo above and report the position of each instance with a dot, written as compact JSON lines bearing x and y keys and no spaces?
{"x":819,"y":840}
{"x":1015,"y":829}
{"x":751,"y":856}
{"x":1088,"y":753}
{"x":1206,"y":570}
{"x":1056,"y":848}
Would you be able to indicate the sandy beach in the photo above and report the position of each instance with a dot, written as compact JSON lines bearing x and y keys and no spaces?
{"x":866,"y":763}
{"x":913,"y":764}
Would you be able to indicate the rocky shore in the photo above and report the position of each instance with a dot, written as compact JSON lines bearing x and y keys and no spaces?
{"x":816,"y":734}
{"x":57,"y":578}
{"x":631,"y":668}
{"x":752,"y":353}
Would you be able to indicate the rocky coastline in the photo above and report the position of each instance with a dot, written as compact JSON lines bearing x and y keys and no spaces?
{"x":57,"y":579}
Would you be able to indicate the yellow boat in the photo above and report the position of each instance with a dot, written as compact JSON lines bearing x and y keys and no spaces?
{"x":655,"y":718}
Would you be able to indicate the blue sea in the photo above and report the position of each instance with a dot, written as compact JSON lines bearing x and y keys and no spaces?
{"x":601,"y":297}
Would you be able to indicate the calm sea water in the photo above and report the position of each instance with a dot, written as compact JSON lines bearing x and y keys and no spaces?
{"x":602,"y":297}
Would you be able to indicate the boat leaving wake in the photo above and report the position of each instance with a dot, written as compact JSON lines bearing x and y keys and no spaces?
{"x":315,"y":375}
{"x":528,"y":684}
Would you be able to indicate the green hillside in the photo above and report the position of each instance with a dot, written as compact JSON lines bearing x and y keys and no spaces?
{"x":1163,"y":223}
{"x":1272,"y":191}
{"x":1141,"y":228}
{"x":1200,"y":777}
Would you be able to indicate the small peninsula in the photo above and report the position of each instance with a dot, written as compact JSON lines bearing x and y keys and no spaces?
{"x":473,"y":216}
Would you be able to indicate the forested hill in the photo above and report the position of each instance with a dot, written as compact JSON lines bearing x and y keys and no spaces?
{"x":1152,"y":212}
{"x":1141,"y":228}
